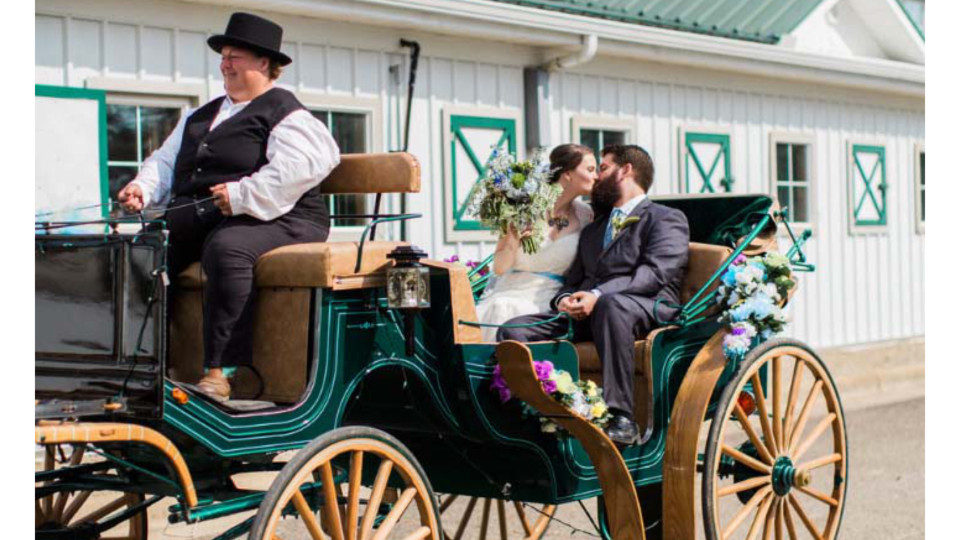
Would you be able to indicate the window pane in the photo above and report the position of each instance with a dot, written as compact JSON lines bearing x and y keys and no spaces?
{"x":591,"y":138}
{"x":122,"y":132}
{"x":923,"y":205}
{"x":783,"y":162}
{"x":156,"y":123}
{"x":350,"y":204}
{"x":799,"y":210}
{"x":322,"y":116}
{"x":800,"y":163}
{"x":119,"y":176}
{"x":613,"y":137}
{"x":350,"y":132}
{"x":783,"y":197}
{"x":923,"y":168}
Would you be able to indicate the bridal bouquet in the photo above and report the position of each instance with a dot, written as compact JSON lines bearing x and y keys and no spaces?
{"x":750,"y":293}
{"x":516,"y":194}
{"x":584,"y":398}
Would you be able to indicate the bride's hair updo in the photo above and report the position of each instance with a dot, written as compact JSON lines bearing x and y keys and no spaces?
{"x":566,"y":157}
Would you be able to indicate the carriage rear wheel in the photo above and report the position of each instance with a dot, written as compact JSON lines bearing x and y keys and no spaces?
{"x":84,"y":514}
{"x":514,"y":519}
{"x":340,"y":486}
{"x":776,"y":460}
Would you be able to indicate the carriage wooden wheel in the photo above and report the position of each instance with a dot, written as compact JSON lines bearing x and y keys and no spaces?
{"x":308,"y":494}
{"x":776,"y":461}
{"x":501,"y":519}
{"x":85,"y":514}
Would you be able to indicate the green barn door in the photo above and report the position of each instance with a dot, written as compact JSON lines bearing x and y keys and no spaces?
{"x":471,"y":147}
{"x":706,"y":163}
{"x":869,"y":186}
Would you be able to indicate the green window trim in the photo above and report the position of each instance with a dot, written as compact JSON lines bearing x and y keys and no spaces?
{"x":100,"y":96}
{"x":706,"y":173}
{"x":457,"y":124}
{"x":874,"y":193}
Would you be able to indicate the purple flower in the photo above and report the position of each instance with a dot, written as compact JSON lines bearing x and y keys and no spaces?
{"x":740,"y":259}
{"x":483,"y":271}
{"x":739,"y":330}
{"x":452,"y":259}
{"x":549,"y":386}
{"x":500,"y":385}
{"x":543,"y":369}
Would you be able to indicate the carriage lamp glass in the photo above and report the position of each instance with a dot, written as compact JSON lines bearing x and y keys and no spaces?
{"x":408,"y":283}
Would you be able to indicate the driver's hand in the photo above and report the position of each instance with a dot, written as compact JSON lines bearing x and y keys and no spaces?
{"x":131,"y":198}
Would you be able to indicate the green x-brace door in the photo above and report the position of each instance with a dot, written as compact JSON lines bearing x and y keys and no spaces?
{"x":704,"y":175}
{"x":508,"y":136}
{"x":869,"y":186}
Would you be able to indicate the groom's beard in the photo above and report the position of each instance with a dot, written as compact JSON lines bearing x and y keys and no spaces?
{"x":604,"y":195}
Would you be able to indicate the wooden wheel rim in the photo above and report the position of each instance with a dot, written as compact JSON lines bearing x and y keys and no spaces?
{"x":69,"y":509}
{"x":401,"y":465}
{"x":531,"y":530}
{"x":790,"y":438}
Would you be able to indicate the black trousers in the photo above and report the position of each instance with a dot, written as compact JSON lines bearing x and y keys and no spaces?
{"x":228,"y":249}
{"x":614,"y":324}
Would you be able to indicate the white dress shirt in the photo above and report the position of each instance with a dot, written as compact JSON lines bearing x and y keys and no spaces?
{"x":300,"y":153}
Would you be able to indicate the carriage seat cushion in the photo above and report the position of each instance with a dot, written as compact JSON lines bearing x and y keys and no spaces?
{"x":308,"y":265}
{"x":704,"y":260}
{"x":590,"y":358}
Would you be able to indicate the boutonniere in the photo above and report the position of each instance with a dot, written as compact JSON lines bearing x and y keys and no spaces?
{"x":620,"y":223}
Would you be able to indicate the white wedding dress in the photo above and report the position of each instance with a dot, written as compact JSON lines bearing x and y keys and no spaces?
{"x":533,"y":281}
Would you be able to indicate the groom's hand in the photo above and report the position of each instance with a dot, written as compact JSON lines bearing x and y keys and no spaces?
{"x":581,"y":304}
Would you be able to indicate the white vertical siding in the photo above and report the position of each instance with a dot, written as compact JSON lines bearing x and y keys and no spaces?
{"x":866,"y":288}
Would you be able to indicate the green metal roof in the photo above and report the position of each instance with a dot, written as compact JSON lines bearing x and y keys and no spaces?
{"x":752,"y":20}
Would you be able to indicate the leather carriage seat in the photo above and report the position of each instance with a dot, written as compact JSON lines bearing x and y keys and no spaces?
{"x":703,"y":262}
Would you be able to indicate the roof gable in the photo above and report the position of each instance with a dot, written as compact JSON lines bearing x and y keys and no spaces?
{"x":764,"y":21}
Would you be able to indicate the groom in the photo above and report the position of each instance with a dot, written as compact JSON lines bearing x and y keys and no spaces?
{"x":633,"y":253}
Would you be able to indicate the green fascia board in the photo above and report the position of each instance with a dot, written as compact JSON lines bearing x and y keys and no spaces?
{"x":764,"y":21}
{"x":909,"y":17}
{"x":100,"y":96}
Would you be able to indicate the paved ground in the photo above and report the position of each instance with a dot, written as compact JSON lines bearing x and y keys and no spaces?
{"x":885,"y":500}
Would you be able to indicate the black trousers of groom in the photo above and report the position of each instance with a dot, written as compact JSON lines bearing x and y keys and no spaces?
{"x":614,"y":324}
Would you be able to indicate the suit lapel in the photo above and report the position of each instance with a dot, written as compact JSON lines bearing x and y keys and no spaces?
{"x":637,"y":212}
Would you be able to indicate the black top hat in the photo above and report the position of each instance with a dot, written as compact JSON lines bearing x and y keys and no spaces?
{"x":251,"y":32}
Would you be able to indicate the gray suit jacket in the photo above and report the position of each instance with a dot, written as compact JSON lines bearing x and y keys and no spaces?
{"x":647,"y":260}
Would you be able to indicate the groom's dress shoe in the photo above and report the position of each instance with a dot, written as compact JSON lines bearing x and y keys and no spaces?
{"x":622,"y":430}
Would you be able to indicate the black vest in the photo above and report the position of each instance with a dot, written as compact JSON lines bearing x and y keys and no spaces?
{"x":236,"y":148}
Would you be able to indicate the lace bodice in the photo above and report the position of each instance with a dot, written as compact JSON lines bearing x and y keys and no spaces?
{"x":555,"y":256}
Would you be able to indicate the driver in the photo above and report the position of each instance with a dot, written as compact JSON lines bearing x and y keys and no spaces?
{"x":242,"y":176}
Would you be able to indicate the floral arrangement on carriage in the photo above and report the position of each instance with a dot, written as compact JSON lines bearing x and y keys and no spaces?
{"x":516,"y":195}
{"x":751,"y":293}
{"x":583,"y":397}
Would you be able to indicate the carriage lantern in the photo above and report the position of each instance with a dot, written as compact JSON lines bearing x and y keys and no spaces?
{"x":408,"y":287}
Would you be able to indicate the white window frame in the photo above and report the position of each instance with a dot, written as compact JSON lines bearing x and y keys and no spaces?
{"x":921,"y":220}
{"x":788,"y":137}
{"x":603,"y":123}
{"x":853,"y":228}
{"x":373,"y":109}
{"x":706,"y":129}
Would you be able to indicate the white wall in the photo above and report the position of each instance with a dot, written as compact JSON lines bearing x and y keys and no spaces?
{"x":866,"y":288}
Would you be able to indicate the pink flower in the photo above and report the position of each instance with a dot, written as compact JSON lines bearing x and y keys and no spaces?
{"x":740,"y":259}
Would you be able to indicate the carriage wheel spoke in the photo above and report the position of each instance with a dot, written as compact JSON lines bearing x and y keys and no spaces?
{"x":746,"y":460}
{"x":745,"y":511}
{"x":419,"y":534}
{"x":353,"y":506}
{"x":447,"y":502}
{"x":768,"y":523}
{"x":744,"y":485}
{"x":306,"y":514}
{"x":48,"y":465}
{"x":376,"y":495}
{"x":792,"y":399}
{"x":103,"y":511}
{"x":394,"y":516}
{"x":74,"y":506}
{"x":63,"y":497}
{"x":819,"y":495}
{"x":760,"y":517}
{"x":38,"y":513}
{"x":751,"y":434}
{"x":527,"y":530}
{"x":467,"y":514}
{"x":804,"y":414}
{"x":331,"y":504}
{"x":820,"y":462}
{"x":788,"y":519}
{"x":812,"y":438}
{"x":779,"y":520}
{"x":764,"y":415}
{"x":502,"y":515}
{"x":804,"y":517}
{"x":777,"y":418}
{"x":485,"y":521}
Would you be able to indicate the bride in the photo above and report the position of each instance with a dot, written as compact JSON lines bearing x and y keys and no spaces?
{"x":525,"y":283}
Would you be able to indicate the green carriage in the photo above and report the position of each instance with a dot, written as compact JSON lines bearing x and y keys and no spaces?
{"x":364,"y":417}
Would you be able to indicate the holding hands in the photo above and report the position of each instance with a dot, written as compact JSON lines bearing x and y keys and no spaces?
{"x":579,"y":304}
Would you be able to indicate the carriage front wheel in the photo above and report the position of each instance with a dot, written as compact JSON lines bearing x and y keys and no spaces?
{"x":341,"y":486}
{"x":776,"y":456}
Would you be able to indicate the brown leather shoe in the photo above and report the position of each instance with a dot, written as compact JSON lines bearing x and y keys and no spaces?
{"x":216,"y":387}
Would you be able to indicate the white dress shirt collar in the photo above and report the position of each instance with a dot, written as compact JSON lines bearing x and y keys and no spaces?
{"x":628,"y":206}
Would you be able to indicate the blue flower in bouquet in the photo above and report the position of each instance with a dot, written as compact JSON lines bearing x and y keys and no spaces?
{"x":730,"y":277}
{"x":760,"y":305}
{"x":741,"y":313}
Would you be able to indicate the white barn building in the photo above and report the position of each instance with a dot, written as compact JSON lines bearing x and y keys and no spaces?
{"x":819,"y":102}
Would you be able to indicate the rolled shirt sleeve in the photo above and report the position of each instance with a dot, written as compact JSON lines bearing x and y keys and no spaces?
{"x":301,"y":152}
{"x":155,"y":177}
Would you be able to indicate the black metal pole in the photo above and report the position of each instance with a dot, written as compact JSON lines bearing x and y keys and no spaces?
{"x":411,"y":84}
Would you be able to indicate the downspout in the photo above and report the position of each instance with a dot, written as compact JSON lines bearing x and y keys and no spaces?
{"x":588,"y":49}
